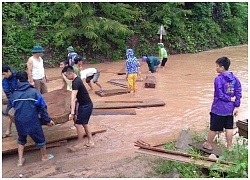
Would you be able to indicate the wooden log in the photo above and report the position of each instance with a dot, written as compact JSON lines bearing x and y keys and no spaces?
{"x":112,"y":92}
{"x":155,"y":149}
{"x":58,"y":105}
{"x":183,"y":159}
{"x":150,"y":82}
{"x":124,"y":104}
{"x":52,"y":134}
{"x":97,"y":112}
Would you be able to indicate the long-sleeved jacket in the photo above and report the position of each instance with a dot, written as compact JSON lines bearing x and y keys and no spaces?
{"x":9,"y":84}
{"x":152,"y":62}
{"x":132,"y":63}
{"x":226,"y":86}
{"x":28,"y":103}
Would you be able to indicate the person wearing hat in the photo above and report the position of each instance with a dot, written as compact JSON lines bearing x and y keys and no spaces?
{"x":152,"y":62}
{"x":163,"y":54}
{"x":71,"y":55}
{"x":132,"y":65}
{"x":36,"y":73}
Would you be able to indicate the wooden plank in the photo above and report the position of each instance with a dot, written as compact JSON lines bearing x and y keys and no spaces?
{"x":243,"y":128}
{"x":112,"y":92}
{"x":150,"y":82}
{"x":217,"y":150}
{"x":162,"y":139}
{"x":58,"y":105}
{"x":123,"y":80}
{"x":179,"y":158}
{"x":97,"y":112}
{"x":52,"y":134}
{"x":119,"y":105}
{"x":118,"y":84}
{"x":48,"y":145}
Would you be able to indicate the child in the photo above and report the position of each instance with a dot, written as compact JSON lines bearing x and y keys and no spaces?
{"x":132,"y":66}
{"x":227,"y":95}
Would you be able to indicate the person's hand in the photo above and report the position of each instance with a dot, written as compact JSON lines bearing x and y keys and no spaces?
{"x":46,"y":79}
{"x":233,"y":99}
{"x":71,"y":117}
{"x":51,"y":123}
{"x":235,"y":111}
{"x":32,"y":83}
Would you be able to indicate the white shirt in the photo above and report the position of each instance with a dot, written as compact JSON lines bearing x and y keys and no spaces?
{"x":87,"y":72}
{"x":37,"y":69}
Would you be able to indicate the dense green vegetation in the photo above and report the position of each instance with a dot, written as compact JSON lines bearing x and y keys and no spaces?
{"x":102,"y":31}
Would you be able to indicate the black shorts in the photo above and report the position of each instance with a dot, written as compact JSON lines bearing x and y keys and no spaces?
{"x":217,"y":122}
{"x":84,"y":113}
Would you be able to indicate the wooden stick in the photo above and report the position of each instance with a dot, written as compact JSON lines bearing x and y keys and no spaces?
{"x":180,"y":153}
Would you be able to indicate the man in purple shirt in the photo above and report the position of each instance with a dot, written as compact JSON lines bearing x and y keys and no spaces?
{"x":227,"y":95}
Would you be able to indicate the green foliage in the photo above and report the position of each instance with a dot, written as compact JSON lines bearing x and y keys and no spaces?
{"x":170,"y":145}
{"x":188,"y":170}
{"x":102,"y":31}
{"x":238,"y":155}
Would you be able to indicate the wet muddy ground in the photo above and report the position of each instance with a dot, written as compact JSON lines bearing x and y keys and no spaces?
{"x":185,"y":85}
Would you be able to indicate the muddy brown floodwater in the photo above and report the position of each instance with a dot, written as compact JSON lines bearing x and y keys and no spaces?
{"x":185,"y":85}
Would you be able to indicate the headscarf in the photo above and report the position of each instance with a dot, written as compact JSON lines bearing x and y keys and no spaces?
{"x":161,"y":45}
{"x":130,"y":54}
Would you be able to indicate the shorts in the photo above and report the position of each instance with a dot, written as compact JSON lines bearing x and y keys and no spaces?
{"x":94,"y":77}
{"x":84,"y":113}
{"x":37,"y":137}
{"x":217,"y":122}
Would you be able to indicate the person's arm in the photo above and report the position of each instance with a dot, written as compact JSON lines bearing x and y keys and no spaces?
{"x":72,"y":104}
{"x":6,"y":89}
{"x":29,"y":71}
{"x":42,"y":110}
{"x":238,"y":93}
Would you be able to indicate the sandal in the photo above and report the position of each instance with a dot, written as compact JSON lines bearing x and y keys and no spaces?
{"x":204,"y":147}
{"x":89,"y":145}
{"x":50,"y":156}
{"x":6,"y":135}
{"x":20,"y":164}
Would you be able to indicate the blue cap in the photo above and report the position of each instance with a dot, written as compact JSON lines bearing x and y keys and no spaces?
{"x":144,"y":58}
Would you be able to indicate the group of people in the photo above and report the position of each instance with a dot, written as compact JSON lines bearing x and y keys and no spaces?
{"x":227,"y":92}
{"x":24,"y":92}
{"x":133,"y":65}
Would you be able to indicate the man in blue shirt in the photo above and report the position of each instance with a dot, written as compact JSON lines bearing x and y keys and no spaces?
{"x":9,"y":84}
{"x":29,"y":104}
